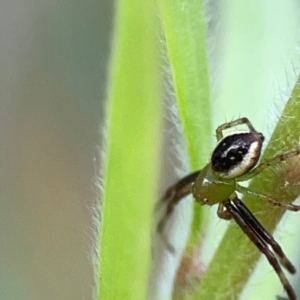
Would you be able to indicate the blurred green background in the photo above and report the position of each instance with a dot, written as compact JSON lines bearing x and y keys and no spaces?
{"x":54,"y":63}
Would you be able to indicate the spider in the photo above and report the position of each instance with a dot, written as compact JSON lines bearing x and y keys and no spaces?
{"x":233,"y":160}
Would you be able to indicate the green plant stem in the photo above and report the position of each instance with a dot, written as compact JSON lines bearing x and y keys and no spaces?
{"x":235,"y":257}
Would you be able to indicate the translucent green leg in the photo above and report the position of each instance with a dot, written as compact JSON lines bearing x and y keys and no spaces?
{"x":228,"y":125}
{"x":275,"y":160}
{"x":267,"y":198}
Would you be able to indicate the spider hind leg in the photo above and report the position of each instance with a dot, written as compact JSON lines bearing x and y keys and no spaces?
{"x":172,"y":197}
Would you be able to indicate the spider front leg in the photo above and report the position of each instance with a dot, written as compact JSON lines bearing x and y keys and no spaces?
{"x":261,"y":238}
{"x":219,"y":130}
{"x":174,"y":195}
{"x":264,"y":234}
{"x":223,"y":213}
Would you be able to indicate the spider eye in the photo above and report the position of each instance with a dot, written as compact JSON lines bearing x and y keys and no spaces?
{"x":236,"y":154}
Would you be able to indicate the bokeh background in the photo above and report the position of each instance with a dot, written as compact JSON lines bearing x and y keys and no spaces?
{"x":54,"y":67}
{"x":54,"y":61}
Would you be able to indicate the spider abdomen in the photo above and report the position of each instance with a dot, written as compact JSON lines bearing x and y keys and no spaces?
{"x":237,"y":153}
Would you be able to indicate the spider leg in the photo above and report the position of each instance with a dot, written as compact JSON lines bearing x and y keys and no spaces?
{"x":270,"y":162}
{"x":174,"y":195}
{"x":264,"y":234}
{"x":266,"y":198}
{"x":223,"y":213}
{"x":236,"y":122}
{"x":242,"y":219}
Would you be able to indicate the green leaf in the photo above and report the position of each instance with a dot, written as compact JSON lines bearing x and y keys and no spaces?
{"x":134,"y":119}
{"x":184,"y":28}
